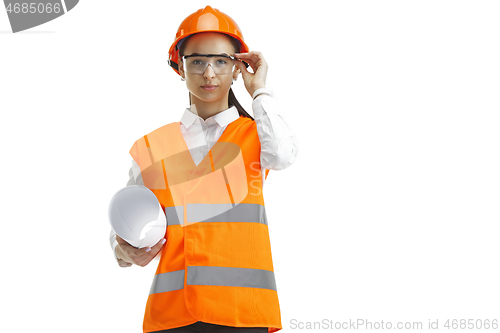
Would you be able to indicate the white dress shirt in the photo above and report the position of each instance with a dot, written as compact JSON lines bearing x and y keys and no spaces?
{"x":279,"y":145}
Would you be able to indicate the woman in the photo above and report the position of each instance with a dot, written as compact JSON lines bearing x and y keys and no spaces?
{"x":215,"y":272}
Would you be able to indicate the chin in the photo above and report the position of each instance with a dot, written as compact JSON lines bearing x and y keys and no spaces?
{"x":213,"y":95}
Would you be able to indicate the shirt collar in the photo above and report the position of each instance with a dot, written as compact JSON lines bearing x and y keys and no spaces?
{"x":222,"y":118}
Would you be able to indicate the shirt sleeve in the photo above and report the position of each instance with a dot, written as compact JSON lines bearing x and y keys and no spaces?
{"x":113,"y":242}
{"x":279,"y":144}
{"x":135,"y":174}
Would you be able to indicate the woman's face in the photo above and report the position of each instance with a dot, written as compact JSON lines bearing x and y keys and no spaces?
{"x":209,"y":43}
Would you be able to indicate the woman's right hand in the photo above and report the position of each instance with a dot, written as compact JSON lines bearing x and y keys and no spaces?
{"x":132,"y":255}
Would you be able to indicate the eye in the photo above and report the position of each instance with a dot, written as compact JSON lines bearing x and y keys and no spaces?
{"x":197,"y":62}
{"x":221,"y":62}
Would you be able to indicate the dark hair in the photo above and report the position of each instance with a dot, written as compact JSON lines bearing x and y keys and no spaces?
{"x":232,"y":101}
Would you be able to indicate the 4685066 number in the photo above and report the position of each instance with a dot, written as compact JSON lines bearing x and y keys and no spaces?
{"x":471,"y":324}
{"x":33,"y":8}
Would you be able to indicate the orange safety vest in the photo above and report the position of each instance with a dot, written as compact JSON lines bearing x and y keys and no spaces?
{"x":216,"y":265}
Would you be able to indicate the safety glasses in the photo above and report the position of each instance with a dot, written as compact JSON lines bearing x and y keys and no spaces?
{"x":221,"y":63}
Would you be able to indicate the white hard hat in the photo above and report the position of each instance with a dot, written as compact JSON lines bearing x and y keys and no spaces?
{"x":136,"y":216}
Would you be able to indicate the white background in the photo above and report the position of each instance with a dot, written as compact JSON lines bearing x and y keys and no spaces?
{"x":391,"y":211}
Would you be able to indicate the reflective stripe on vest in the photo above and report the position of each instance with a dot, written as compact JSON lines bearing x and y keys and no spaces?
{"x":231,"y":277}
{"x":214,"y":276}
{"x":167,"y":282}
{"x":217,"y":213}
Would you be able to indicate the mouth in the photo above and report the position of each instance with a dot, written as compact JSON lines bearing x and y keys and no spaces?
{"x":209,"y":87}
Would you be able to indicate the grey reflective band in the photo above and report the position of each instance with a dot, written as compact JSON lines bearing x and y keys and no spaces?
{"x":231,"y":277}
{"x":217,"y":213}
{"x":174,"y":214}
{"x":214,"y":276}
{"x":167,"y":282}
{"x":226,"y":213}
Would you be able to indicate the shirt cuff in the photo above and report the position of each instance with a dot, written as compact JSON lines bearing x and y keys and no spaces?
{"x":136,"y":170}
{"x":258,"y":106}
{"x":261,"y":91}
{"x":114,"y":243}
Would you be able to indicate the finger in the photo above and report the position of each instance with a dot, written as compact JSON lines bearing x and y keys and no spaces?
{"x":158,"y":245}
{"x":124,"y":263}
{"x":245,"y":73}
{"x":253,"y":56}
{"x":246,"y":64}
{"x":247,"y":57}
{"x":242,"y":67}
{"x":155,"y":248}
{"x":255,"y":61}
{"x":251,"y":61}
{"x":253,"y":66}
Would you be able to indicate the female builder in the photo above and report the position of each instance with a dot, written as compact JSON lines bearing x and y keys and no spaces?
{"x":215,"y":272}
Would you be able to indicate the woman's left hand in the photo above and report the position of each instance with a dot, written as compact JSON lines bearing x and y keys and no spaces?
{"x":257,"y":79}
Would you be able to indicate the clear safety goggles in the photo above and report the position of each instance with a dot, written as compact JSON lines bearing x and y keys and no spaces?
{"x":198,"y":63}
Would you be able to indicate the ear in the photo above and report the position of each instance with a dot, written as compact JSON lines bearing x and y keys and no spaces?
{"x":236,"y":73}
{"x":181,"y":70}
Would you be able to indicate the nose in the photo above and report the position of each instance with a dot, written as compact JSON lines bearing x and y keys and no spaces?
{"x":209,"y":72}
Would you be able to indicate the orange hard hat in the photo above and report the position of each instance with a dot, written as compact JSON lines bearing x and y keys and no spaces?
{"x":204,"y":20}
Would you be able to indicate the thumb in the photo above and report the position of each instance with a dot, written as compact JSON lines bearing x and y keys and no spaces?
{"x":160,"y":243}
{"x":243,"y":69}
{"x":120,"y":240}
{"x":157,"y":247}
